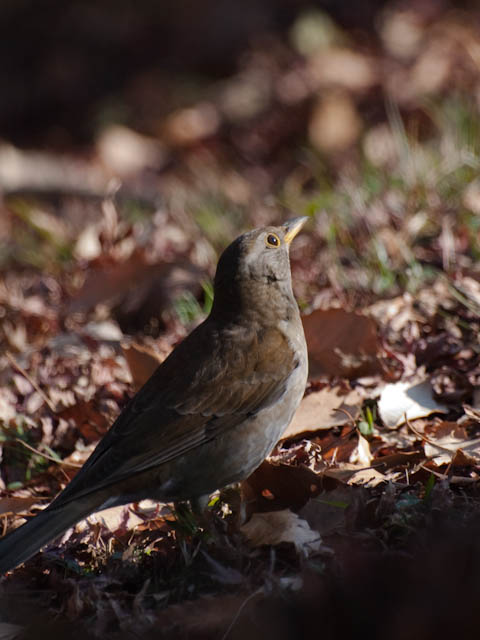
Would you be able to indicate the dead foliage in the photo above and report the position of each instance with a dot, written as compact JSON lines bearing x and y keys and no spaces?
{"x":366,"y":516}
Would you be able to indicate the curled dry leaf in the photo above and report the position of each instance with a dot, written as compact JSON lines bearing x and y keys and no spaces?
{"x":403,"y":401}
{"x":362,"y":454}
{"x":341,"y":343}
{"x":276,"y":527}
{"x":329,"y":407}
{"x":449,"y":442}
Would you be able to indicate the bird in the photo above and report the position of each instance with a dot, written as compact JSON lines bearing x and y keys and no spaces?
{"x":211,"y":412}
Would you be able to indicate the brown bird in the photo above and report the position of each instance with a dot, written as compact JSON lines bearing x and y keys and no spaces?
{"x":211,"y":412}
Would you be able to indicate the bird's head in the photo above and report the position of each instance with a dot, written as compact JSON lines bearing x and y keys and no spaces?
{"x":254,"y":270}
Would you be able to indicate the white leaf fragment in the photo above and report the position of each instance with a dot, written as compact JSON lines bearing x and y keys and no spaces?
{"x":276,"y":527}
{"x":405,"y":401}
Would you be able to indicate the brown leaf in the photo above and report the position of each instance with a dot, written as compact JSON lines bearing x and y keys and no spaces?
{"x":16,"y":504}
{"x":141,"y":361}
{"x":278,"y":486}
{"x":461,"y":459}
{"x":87,"y":418}
{"x":448,"y":441}
{"x":341,"y":343}
{"x":323,"y":409}
{"x":354,"y":475}
{"x":134,"y":288}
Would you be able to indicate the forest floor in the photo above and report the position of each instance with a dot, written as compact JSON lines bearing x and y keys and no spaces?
{"x":366,"y":517}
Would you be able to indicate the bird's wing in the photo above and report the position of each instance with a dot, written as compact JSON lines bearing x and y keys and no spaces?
{"x":208,"y":385}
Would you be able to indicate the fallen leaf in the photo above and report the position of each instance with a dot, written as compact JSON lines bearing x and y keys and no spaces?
{"x":276,"y":527}
{"x":403,"y":401}
{"x":134,"y":288}
{"x":87,"y":418}
{"x":277,"y":486}
{"x":461,"y":459}
{"x":448,"y":442}
{"x":116,"y":519}
{"x":16,"y":504}
{"x":353,"y":475}
{"x":324,"y":409}
{"x":141,"y":361}
{"x":368,"y":477}
{"x":361,"y":454}
{"x":341,"y":343}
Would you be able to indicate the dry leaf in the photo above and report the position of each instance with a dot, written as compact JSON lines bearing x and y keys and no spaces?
{"x":285,"y":485}
{"x":15,"y":504}
{"x":115,"y":519}
{"x":361,"y":454}
{"x":353,"y":475}
{"x":448,"y":441}
{"x":341,"y":343}
{"x":403,"y":401}
{"x":367,"y":478}
{"x":141,"y":361}
{"x":324,"y":409}
{"x":276,"y":527}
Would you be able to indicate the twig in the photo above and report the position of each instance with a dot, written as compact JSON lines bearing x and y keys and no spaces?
{"x":347,"y":413}
{"x":422,"y":436}
{"x":451,"y":479}
{"x":45,"y":455}
{"x":34,"y":384}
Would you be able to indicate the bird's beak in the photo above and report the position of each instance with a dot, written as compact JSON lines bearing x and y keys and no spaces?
{"x":292,"y":227}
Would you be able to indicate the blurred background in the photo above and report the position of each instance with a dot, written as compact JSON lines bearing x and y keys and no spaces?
{"x":136,"y":140}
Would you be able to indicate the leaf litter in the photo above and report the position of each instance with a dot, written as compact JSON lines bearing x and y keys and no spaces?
{"x":384,"y":450}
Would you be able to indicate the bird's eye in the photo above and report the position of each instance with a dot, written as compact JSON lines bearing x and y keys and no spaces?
{"x":272,"y":240}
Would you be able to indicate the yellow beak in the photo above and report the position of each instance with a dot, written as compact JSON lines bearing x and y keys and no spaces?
{"x":292,"y":227}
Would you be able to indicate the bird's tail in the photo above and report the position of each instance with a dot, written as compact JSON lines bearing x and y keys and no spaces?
{"x":24,"y":542}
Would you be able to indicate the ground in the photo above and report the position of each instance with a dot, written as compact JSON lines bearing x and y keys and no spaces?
{"x":366,"y":517}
